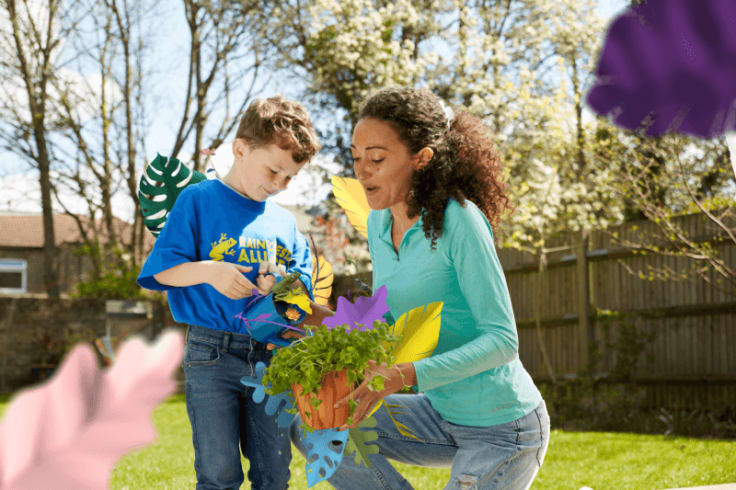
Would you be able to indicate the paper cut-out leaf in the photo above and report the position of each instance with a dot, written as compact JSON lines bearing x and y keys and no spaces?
{"x":357,"y":440}
{"x":360,"y":314}
{"x":70,"y":431}
{"x":325,"y":450}
{"x":418,"y":331}
{"x":276,"y":403}
{"x":350,"y":195}
{"x":298,"y":298}
{"x":670,"y":65}
{"x":393,"y":410}
{"x":322,"y":271}
{"x":159,"y":186}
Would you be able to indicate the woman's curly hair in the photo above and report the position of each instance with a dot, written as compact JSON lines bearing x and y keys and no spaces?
{"x":465,"y":164}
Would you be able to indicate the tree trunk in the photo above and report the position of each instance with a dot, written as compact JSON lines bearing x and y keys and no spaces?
{"x":50,"y":273}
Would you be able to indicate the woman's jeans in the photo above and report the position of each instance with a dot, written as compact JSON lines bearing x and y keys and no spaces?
{"x":500,"y":456}
{"x":224,"y":417}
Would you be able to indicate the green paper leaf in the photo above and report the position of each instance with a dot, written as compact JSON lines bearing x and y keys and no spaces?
{"x":159,"y":186}
{"x":357,"y":439}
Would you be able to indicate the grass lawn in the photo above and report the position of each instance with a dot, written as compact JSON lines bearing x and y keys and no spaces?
{"x":600,"y":460}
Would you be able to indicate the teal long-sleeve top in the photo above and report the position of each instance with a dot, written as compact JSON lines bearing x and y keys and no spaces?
{"x":474,"y":376}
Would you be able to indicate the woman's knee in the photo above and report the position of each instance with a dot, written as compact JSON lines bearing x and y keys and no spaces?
{"x":295,"y":434}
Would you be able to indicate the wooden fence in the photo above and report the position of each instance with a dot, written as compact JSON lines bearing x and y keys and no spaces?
{"x":686,"y":327}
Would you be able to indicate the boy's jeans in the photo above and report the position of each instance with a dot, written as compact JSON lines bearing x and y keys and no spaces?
{"x":224,"y":417}
{"x":501,"y":456}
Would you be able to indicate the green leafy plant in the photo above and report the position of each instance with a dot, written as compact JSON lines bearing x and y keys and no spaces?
{"x":307,"y":361}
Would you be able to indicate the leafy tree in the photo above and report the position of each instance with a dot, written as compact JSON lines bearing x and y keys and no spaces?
{"x":33,"y":51}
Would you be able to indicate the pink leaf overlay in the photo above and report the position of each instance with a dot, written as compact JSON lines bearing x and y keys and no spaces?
{"x":70,"y":431}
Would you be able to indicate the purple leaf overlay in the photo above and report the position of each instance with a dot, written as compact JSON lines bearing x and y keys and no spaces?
{"x":361,"y":314}
{"x":670,"y":65}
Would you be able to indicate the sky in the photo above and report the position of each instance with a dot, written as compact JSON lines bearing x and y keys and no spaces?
{"x":20,"y":190}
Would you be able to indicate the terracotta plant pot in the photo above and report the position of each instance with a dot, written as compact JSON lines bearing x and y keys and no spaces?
{"x":334,"y":387}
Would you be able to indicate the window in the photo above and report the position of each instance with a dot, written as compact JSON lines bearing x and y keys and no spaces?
{"x":13,"y":275}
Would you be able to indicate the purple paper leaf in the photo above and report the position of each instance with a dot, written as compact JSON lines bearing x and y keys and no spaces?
{"x":360,"y":314}
{"x":70,"y":431}
{"x":670,"y":65}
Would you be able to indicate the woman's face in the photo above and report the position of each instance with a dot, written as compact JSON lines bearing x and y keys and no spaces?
{"x":382,"y":163}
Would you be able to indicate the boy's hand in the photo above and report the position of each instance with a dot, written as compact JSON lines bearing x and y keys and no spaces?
{"x":287,"y":334}
{"x":228,"y":279}
{"x":267,"y":276}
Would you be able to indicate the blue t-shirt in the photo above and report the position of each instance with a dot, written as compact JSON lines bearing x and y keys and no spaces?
{"x":474,"y":376}
{"x":211,"y":221}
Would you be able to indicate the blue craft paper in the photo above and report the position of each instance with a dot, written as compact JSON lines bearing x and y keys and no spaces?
{"x":276,"y":403}
{"x":325,"y":449}
{"x":263,"y":322}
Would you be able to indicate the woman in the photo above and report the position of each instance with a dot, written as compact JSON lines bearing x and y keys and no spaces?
{"x":434,"y":186}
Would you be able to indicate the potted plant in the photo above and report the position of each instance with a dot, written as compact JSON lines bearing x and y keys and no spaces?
{"x":330,"y":360}
{"x":325,"y":365}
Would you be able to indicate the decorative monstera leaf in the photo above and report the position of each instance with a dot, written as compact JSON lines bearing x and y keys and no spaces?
{"x":325,"y":450}
{"x":278,"y":405}
{"x":351,"y":198}
{"x":322,"y":272}
{"x":160,"y":185}
{"x":359,"y":436}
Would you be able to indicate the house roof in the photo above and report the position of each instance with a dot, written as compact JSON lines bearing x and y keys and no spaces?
{"x":26,"y":230}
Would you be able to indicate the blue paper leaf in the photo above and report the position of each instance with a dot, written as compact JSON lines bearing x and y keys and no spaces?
{"x":276,"y":404}
{"x":324,"y":452}
{"x":281,"y":403}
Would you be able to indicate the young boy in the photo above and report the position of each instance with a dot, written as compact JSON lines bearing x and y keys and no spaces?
{"x":220,"y":242}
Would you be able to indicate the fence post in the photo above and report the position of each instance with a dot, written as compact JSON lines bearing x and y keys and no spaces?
{"x":582,"y":301}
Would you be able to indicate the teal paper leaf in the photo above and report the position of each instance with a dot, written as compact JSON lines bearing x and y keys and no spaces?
{"x":324,"y":452}
{"x":276,"y":404}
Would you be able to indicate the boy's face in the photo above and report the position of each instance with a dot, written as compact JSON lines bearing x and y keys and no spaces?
{"x":261,"y":172}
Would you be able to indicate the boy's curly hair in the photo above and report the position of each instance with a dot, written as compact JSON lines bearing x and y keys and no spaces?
{"x":280,"y":121}
{"x":465,"y":164}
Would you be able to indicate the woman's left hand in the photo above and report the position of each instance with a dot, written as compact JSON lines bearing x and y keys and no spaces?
{"x":395,"y":378}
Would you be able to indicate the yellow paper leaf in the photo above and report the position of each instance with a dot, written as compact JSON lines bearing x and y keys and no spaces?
{"x":298,"y":298}
{"x":322,"y":272}
{"x":351,"y":198}
{"x":418,"y":331}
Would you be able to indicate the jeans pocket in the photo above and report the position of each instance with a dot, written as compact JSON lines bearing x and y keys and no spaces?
{"x":201,"y":353}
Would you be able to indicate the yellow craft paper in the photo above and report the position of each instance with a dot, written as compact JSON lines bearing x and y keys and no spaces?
{"x":418,"y":331}
{"x":350,"y":195}
{"x":322,"y":272}
{"x":298,"y":298}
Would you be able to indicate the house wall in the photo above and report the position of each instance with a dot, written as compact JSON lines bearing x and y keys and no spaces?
{"x":72,"y":267}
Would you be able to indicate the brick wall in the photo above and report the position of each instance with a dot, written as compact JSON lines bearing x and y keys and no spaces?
{"x":35,"y":333}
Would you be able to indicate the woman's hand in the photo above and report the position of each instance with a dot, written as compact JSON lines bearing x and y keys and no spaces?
{"x":394,"y":379}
